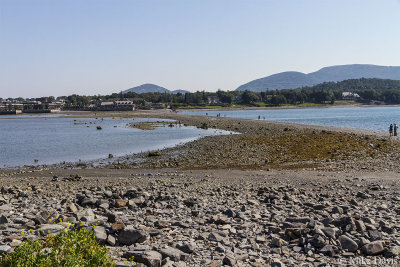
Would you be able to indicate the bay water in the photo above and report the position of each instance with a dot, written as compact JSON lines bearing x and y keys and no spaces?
{"x":45,"y":140}
{"x":367,"y":118}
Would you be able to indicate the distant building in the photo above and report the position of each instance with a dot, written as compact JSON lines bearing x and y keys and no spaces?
{"x":122,"y":105}
{"x":104,"y":104}
{"x":350,"y":96}
{"x":213,"y":100}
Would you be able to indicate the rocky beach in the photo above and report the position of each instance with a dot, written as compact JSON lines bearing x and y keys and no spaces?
{"x":269,"y":194}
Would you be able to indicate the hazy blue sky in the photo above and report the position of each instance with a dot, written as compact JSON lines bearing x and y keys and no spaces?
{"x":60,"y":47}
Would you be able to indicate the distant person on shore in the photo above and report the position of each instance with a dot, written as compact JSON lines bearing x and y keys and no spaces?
{"x":391,"y":130}
{"x":395,"y":127}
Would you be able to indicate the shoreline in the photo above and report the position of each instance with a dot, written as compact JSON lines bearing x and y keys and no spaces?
{"x":243,"y":126}
{"x":79,"y":114}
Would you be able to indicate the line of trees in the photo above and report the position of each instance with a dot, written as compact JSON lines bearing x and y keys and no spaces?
{"x":369,"y":90}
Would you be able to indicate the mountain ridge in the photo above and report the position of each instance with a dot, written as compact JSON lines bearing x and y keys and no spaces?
{"x":152,"y":88}
{"x":295,"y":79}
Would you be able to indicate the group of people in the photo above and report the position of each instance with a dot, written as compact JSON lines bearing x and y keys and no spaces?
{"x":393,"y":129}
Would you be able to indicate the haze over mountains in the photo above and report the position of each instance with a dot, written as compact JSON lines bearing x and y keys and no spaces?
{"x":152,"y":88}
{"x":293,"y":79}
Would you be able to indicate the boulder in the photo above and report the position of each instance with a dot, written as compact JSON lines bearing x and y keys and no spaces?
{"x":373,"y":248}
{"x":348,"y":243}
{"x":131,"y":236}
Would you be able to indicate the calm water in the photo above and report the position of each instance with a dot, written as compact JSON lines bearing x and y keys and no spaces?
{"x":369,"y":118}
{"x":53,"y":140}
{"x":36,"y":115}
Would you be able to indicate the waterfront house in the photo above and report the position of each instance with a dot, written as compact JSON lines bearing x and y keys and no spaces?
{"x":350,"y":96}
{"x":121,"y":105}
{"x":213,"y":100}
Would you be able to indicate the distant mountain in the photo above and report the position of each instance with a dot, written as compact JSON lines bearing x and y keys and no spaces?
{"x":147,"y":88}
{"x":152,"y":88}
{"x":292,"y":79}
{"x":180,"y":91}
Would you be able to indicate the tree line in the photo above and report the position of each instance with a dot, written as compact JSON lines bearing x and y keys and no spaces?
{"x":370,"y":90}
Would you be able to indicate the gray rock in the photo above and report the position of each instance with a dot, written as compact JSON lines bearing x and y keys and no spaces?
{"x":230,"y":213}
{"x":3,"y":219}
{"x":229,"y":260}
{"x":375,"y":235}
{"x":278,"y":242}
{"x":220,"y":249}
{"x":215,"y":237}
{"x":173,"y":253}
{"x":15,"y":243}
{"x":72,"y":208}
{"x":360,"y":226}
{"x":131,"y":236}
{"x":6,"y":207}
{"x":42,"y":217}
{"x":329,"y":231}
{"x":100,"y":234}
{"x":337,"y":210}
{"x":320,"y":207}
{"x":149,"y":258}
{"x":71,"y":220}
{"x":317,"y":241}
{"x":277,"y":263}
{"x":348,"y":243}
{"x":108,"y":193}
{"x":298,"y":219}
{"x":373,"y":248}
{"x":329,"y":250}
{"x":161,"y":224}
{"x":4,"y":249}
{"x":187,"y":247}
{"x":88,"y":201}
{"x":111,"y":240}
{"x":363,"y":241}
{"x":88,"y":214}
{"x":53,"y":229}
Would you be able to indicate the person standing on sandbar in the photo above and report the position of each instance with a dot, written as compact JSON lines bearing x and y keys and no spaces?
{"x":391,"y":130}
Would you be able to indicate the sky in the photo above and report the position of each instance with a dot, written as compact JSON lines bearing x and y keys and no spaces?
{"x":91,"y":47}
